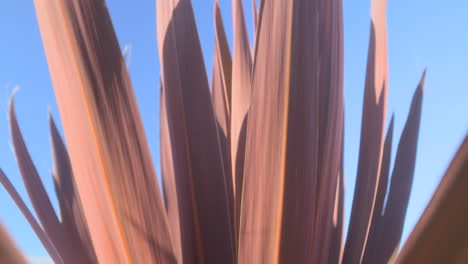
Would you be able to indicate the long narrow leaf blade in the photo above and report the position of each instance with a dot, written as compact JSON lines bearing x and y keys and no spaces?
{"x":336,"y":248}
{"x":441,"y":236}
{"x":221,"y":98}
{"x":199,"y":170}
{"x":277,"y":217}
{"x":46,"y":242}
{"x":73,"y":220}
{"x":241,"y":93}
{"x":331,"y":114}
{"x":402,"y":178}
{"x":372,"y":135}
{"x":168,"y":179}
{"x":373,"y":251}
{"x":104,"y":133}
{"x":36,"y":190}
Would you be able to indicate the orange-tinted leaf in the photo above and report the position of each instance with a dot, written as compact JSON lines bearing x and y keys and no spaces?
{"x":441,"y":236}
{"x":9,"y":252}
{"x":117,"y":182}
{"x":372,"y":135}
{"x":198,"y":165}
{"x":46,"y":242}
{"x":402,"y":179}
{"x":278,"y":203}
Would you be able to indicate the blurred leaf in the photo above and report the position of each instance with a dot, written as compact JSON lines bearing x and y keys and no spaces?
{"x":9,"y":252}
{"x":441,"y":236}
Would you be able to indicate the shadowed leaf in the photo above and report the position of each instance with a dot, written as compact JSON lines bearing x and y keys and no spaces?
{"x":373,"y":249}
{"x":277,"y":217}
{"x":73,"y":219}
{"x":441,"y":236}
{"x":53,"y":253}
{"x":36,"y":191}
{"x":221,"y":96}
{"x":330,"y":123}
{"x":198,"y":165}
{"x":168,"y":179}
{"x":402,"y":179}
{"x":372,"y":135}
{"x":336,"y":247}
{"x":104,"y":133}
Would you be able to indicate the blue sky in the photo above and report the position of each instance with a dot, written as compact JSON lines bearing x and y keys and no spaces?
{"x":421,"y":33}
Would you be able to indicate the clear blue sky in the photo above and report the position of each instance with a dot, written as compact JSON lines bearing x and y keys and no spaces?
{"x":421,"y":33}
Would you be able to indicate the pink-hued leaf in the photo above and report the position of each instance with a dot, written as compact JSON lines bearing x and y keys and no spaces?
{"x":255,"y":16}
{"x":36,"y":191}
{"x":331,"y":115}
{"x":278,"y":203}
{"x":116,"y":180}
{"x":46,"y":242}
{"x":241,"y":94}
{"x":168,"y":179}
{"x":402,"y":179}
{"x":9,"y":252}
{"x":221,"y":96}
{"x":372,"y":135}
{"x":205,"y":219}
{"x":73,"y":220}
{"x":441,"y":236}
{"x":373,"y":251}
{"x":336,"y":247}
